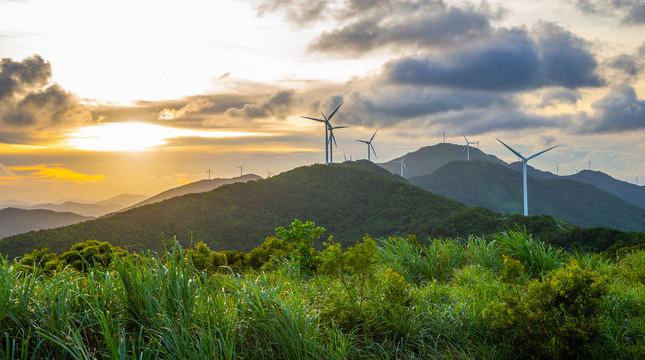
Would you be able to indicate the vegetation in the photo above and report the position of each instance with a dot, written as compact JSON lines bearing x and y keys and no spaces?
{"x":348,"y":200}
{"x":509,"y":296}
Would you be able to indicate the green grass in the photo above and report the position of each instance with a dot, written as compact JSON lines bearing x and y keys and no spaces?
{"x":419,"y":302}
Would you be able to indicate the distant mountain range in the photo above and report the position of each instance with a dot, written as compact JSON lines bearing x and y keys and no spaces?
{"x":85,"y":209}
{"x":430,"y":158}
{"x":499,"y":188}
{"x":16,"y":221}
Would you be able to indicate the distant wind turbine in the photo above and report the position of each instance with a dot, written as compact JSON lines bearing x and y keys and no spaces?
{"x":402,"y":161}
{"x":209,"y":173}
{"x":557,"y":169}
{"x":268,"y":173}
{"x":467,"y":147}
{"x":369,"y":145}
{"x":241,"y":167}
{"x":444,"y":136}
{"x":524,"y":161}
{"x":326,"y":121}
{"x":589,"y":164}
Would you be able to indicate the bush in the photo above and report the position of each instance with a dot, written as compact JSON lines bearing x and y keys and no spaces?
{"x":89,"y":254}
{"x":536,"y":256}
{"x":555,"y":318}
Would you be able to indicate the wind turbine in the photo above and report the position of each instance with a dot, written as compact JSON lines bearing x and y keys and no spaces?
{"x":524,"y":161}
{"x":369,"y":145}
{"x":332,"y":137}
{"x":557,"y":170}
{"x":241,"y":167}
{"x":467,"y":147}
{"x":444,"y":136}
{"x":209,"y":173}
{"x":268,"y":173}
{"x":589,"y":164}
{"x":402,"y":161}
{"x":326,"y":121}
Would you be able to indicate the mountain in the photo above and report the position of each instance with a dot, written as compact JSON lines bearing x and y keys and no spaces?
{"x":194,"y":187}
{"x":430,"y":158}
{"x":531,"y":171}
{"x":499,"y":188}
{"x":16,"y":221}
{"x":86,"y":209}
{"x":629,"y":192}
{"x":349,"y":200}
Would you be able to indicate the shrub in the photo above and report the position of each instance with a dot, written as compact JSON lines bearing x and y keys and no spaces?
{"x":89,"y":254}
{"x":555,"y":318}
{"x":536,"y":256}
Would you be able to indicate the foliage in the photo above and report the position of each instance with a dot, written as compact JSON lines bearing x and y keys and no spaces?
{"x":555,"y":318}
{"x":536,"y":256}
{"x":89,"y":254}
{"x":477,"y":299}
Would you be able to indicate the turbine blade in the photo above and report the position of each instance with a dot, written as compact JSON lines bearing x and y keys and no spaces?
{"x":332,"y":114}
{"x":465,"y":138}
{"x":405,"y":167}
{"x":372,"y":146}
{"x":340,"y":127}
{"x":363,"y":141}
{"x":541,"y":152}
{"x":513,"y":151}
{"x":332,"y":137}
{"x":314,"y":119}
{"x":373,"y":135}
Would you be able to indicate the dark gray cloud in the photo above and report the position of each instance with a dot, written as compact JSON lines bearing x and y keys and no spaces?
{"x":364,"y":25}
{"x":446,"y":28}
{"x":32,"y":107}
{"x":620,"y":110}
{"x":484,"y":121}
{"x":631,"y":12}
{"x":276,"y":105}
{"x":508,"y":61}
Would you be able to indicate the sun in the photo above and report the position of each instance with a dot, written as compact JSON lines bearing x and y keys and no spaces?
{"x":135,"y":136}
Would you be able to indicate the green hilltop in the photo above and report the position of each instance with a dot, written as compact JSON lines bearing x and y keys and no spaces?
{"x":349,"y":200}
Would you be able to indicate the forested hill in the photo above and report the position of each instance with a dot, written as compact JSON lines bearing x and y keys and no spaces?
{"x":499,"y":188}
{"x":349,"y":200}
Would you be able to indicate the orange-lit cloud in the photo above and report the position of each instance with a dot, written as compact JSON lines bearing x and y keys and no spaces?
{"x":51,"y":174}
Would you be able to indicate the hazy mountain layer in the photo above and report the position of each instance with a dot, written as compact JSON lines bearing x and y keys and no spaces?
{"x":17,"y":221}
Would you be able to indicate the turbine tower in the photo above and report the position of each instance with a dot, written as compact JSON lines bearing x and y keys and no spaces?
{"x":444,"y":136}
{"x":241,"y":167}
{"x":326,"y":121}
{"x":332,"y":137}
{"x":524,"y":161}
{"x":467,"y":147}
{"x":369,"y":145}
{"x":402,"y":161}
{"x":209,"y":173}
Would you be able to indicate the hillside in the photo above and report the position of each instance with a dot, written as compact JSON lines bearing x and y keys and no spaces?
{"x":430,"y":158}
{"x":347,"y":199}
{"x":194,"y":187}
{"x":17,"y":221}
{"x":631,"y":193}
{"x":499,"y":188}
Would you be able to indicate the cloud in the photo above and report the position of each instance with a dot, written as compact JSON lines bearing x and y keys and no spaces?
{"x":30,"y":106}
{"x":5,"y":171}
{"x":276,"y":106}
{"x":439,"y":29}
{"x":192,"y":107}
{"x":620,"y":110}
{"x":553,"y":97}
{"x":632,"y":12}
{"x":508,"y":61}
{"x":300,"y":12}
{"x":54,"y":174}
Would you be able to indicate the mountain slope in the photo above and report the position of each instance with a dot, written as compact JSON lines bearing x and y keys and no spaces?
{"x":87,"y":209}
{"x":16,"y":221}
{"x":499,"y":188}
{"x":430,"y":158}
{"x":631,"y":193}
{"x":194,"y":187}
{"x":348,"y":200}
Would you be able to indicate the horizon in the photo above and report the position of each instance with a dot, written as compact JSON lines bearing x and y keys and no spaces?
{"x":119,"y":97}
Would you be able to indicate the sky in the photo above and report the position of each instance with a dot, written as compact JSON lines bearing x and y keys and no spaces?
{"x":99,"y":98}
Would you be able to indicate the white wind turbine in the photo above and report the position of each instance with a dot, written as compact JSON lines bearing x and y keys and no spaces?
{"x":524,"y":161}
{"x":326,"y":121}
{"x":467,"y":147}
{"x":241,"y":167}
{"x":402,"y":161}
{"x":369,"y":145}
